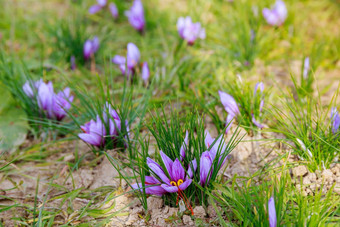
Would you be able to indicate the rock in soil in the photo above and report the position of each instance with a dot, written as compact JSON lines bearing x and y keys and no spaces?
{"x":187,"y":220}
{"x":199,"y":212}
{"x":154,"y":203}
{"x":300,"y":171}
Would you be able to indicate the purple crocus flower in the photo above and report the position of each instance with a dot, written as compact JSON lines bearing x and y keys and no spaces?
{"x":61,"y":103}
{"x":101,"y":4}
{"x":335,"y":120}
{"x":174,"y":181}
{"x":132,"y":56}
{"x":90,"y":47}
{"x":219,"y":147}
{"x":128,"y":65}
{"x":136,"y":16}
{"x":260,"y":86}
{"x":272,"y":212}
{"x":113,"y":9}
{"x":277,"y":14}
{"x":113,"y":119}
{"x":205,"y":168}
{"x":121,"y":61}
{"x":73,"y":63}
{"x":45,"y":99}
{"x":208,"y":157}
{"x":190,"y":31}
{"x":305,"y":68}
{"x":94,"y":133}
{"x":145,"y":72}
{"x":95,"y":8}
{"x":230,"y":106}
{"x":54,"y":106}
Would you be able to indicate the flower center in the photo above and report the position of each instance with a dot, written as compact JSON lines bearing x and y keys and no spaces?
{"x":179,"y":182}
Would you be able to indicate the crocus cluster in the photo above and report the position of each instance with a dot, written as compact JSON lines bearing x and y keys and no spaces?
{"x":96,"y":131}
{"x":230,"y":106}
{"x":102,"y":4}
{"x":272,"y":212}
{"x":91,"y":46}
{"x":277,"y":14}
{"x":54,"y":106}
{"x":136,"y":16}
{"x":190,"y":31}
{"x":129,"y":65}
{"x":173,"y":178}
{"x":335,"y":120}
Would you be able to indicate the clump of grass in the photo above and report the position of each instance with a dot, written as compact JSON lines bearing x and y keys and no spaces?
{"x":246,"y":204}
{"x":245,"y":103}
{"x":69,"y":37}
{"x":308,"y":128}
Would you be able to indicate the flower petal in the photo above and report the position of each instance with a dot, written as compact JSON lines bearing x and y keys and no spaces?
{"x":157,"y":171}
{"x":178,"y":172}
{"x":185,"y":184}
{"x":205,"y":168}
{"x":113,"y":9}
{"x":90,"y":139}
{"x":229,"y":103}
{"x":167,"y":162}
{"x":272,"y":212}
{"x":170,"y":189}
{"x":94,"y":9}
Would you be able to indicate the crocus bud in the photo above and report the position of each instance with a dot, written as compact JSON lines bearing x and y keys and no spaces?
{"x":90,"y":47}
{"x":114,"y":11}
{"x":28,"y":89}
{"x":205,"y":168}
{"x":145,"y":72}
{"x":272,"y":212}
{"x":121,"y":61}
{"x":277,"y":14}
{"x":73,"y":63}
{"x":132,"y":56}
{"x":189,"y":31}
{"x":111,"y":117}
{"x":260,"y":86}
{"x":136,"y":15}
{"x":229,"y":103}
{"x":62,"y":103}
{"x":94,"y":9}
{"x":102,"y":3}
{"x":45,"y":99}
{"x":335,"y":120}
{"x":305,"y":68}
